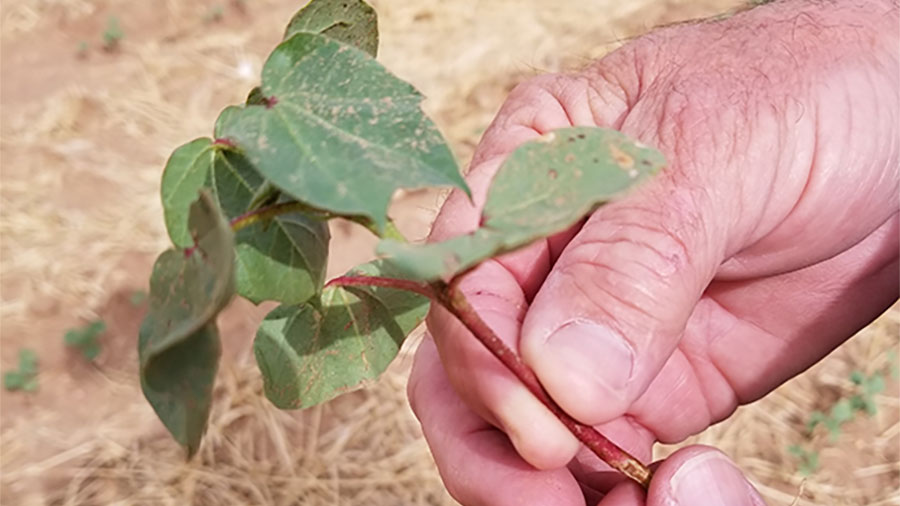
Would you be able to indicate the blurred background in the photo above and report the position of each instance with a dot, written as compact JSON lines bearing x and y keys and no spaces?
{"x":94,"y":97}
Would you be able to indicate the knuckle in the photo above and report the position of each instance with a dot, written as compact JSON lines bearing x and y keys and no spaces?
{"x":549,"y":101}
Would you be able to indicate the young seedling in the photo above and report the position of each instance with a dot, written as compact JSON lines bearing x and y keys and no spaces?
{"x":25,"y":377}
{"x":86,"y":339}
{"x":841,"y":412}
{"x":331,"y":133}
{"x":809,"y":459}
{"x":113,"y":34}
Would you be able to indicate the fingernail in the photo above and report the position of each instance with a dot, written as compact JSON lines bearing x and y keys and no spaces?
{"x":711,"y":479}
{"x":592,"y":356}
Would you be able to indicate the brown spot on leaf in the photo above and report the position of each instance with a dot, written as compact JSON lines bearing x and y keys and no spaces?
{"x":622,"y":158}
{"x":552,"y":173}
{"x":569,"y":158}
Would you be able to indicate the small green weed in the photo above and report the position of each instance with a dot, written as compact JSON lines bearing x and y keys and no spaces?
{"x":25,"y":377}
{"x":113,"y":34}
{"x":809,"y":459}
{"x":85,"y":339}
{"x":841,"y":412}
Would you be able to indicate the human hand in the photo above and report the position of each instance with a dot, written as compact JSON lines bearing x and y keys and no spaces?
{"x":769,"y":240}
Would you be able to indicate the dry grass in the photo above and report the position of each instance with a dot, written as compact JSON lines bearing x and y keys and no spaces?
{"x":83,"y":141}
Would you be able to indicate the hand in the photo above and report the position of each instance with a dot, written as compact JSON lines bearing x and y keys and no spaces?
{"x":770,"y":239}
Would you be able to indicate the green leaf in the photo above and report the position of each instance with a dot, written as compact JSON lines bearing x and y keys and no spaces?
{"x":13,"y":380}
{"x":874,"y":384}
{"x":352,"y":22}
{"x":311,"y":353}
{"x":285,"y":261}
{"x":179,"y":343}
{"x":842,"y":411}
{"x":857,"y":377}
{"x":339,"y":132}
{"x":255,"y":97}
{"x":815,"y":418}
{"x":25,"y":377}
{"x":543,"y":188}
{"x":85,"y":339}
{"x":30,"y":385}
{"x":28,"y":361}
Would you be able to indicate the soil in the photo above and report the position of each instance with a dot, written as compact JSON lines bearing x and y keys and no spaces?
{"x":83,"y":138}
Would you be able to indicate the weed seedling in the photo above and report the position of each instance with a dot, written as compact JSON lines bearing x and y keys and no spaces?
{"x":25,"y":377}
{"x":841,"y":412}
{"x":86,"y":339}
{"x":113,"y":34}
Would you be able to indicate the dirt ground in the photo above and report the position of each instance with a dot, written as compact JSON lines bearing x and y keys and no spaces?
{"x":83,"y":139}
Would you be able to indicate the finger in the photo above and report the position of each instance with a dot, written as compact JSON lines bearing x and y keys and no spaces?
{"x":476,"y":461}
{"x":700,"y":475}
{"x":484,"y":383}
{"x":626,"y":493}
{"x":613,"y":308}
{"x":499,"y":289}
{"x":746,"y":338}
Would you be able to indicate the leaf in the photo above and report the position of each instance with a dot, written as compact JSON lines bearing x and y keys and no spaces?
{"x":13,"y":380}
{"x":544,"y":187}
{"x":284,"y":262}
{"x":314,"y":352}
{"x":179,"y":343}
{"x":352,"y":22}
{"x":85,"y":338}
{"x":874,"y":385}
{"x":28,"y":361}
{"x":25,"y":377}
{"x":339,"y":132}
{"x":842,"y":411}
{"x":255,"y":97}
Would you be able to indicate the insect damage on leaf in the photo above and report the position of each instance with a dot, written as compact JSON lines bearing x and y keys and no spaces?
{"x":344,"y":135}
{"x":352,"y":22}
{"x":178,"y":343}
{"x":543,"y":188}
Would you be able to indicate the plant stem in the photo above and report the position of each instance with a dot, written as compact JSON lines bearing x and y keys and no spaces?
{"x":454,"y":301}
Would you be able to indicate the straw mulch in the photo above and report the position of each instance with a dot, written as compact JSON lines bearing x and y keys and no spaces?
{"x":84,"y":136}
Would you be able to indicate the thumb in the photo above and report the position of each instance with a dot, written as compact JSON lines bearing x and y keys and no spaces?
{"x":615,"y":304}
{"x":701,"y":475}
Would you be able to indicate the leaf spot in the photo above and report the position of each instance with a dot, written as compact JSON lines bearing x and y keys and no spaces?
{"x":622,"y":158}
{"x":552,"y":173}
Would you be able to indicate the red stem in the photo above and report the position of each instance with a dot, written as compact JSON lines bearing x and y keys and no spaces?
{"x":454,"y":301}
{"x":420,"y":288}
